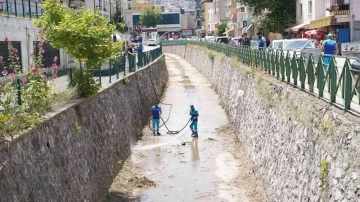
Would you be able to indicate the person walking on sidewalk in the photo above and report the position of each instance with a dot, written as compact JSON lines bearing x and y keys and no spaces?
{"x":156,"y":112}
{"x":194,"y":121}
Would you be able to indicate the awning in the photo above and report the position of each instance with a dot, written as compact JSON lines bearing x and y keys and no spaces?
{"x":245,"y":29}
{"x":321,"y":22}
{"x":228,"y":31}
{"x":296,"y":27}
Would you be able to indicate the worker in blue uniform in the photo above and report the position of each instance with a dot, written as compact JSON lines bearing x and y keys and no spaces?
{"x":156,"y":112}
{"x":329,"y":48}
{"x":194,"y":121}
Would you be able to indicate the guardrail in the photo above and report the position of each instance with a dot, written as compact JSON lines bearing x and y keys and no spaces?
{"x":21,"y":8}
{"x":336,"y":81}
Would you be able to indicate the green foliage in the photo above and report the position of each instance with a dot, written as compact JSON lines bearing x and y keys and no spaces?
{"x":221,"y":29}
{"x":63,"y":97}
{"x":21,"y":111}
{"x":126,"y":81}
{"x":150,"y":17}
{"x":118,"y":19}
{"x":324,"y":174}
{"x":276,"y":15}
{"x":82,"y":34}
{"x":85,"y":82}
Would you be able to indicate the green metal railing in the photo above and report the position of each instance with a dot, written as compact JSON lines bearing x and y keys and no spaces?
{"x":115,"y":69}
{"x":21,"y":8}
{"x":124,"y":65}
{"x":336,"y":82}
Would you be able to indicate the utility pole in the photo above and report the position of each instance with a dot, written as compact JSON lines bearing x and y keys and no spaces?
{"x":352,"y":16}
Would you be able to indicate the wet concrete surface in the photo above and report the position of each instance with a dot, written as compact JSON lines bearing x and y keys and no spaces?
{"x":209,"y":168}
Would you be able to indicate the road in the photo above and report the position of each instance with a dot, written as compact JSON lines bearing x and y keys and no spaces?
{"x":212,"y":167}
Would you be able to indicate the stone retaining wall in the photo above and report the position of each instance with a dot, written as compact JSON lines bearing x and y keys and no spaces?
{"x":302,"y":148}
{"x":76,"y":154}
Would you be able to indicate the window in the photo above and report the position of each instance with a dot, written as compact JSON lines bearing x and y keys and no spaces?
{"x":242,"y":9}
{"x":310,"y":7}
{"x":301,"y":10}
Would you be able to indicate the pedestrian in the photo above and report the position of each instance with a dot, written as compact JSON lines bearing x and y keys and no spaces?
{"x":246,"y":40}
{"x":140,"y":48}
{"x":261,"y":41}
{"x":329,"y":48}
{"x":194,"y":121}
{"x":156,"y":112}
{"x":267,"y":42}
{"x":131,"y":50}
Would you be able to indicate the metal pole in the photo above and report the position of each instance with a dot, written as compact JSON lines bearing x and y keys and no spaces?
{"x":110,"y":73}
{"x":23,"y":8}
{"x":110,"y":9}
{"x":7,"y":7}
{"x":15,"y":8}
{"x":36,"y":9}
{"x":70,"y":76}
{"x":351,"y":21}
{"x":100,"y":74}
{"x":29,"y":8}
{"x":18,"y":82}
{"x":94,"y":4}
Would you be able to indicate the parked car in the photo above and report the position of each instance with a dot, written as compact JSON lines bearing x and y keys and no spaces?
{"x":274,"y":44}
{"x":152,"y":42}
{"x":221,"y":40}
{"x":235,"y":41}
{"x":298,"y":46}
{"x":208,"y":38}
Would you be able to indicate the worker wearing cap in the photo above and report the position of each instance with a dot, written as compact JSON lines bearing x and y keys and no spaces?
{"x":329,"y":48}
{"x":194,"y":120}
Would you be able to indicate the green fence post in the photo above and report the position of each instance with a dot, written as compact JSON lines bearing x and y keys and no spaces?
{"x":347,"y":85}
{"x":36,"y":9}
{"x":100,"y":74}
{"x":15,"y":8}
{"x":23,"y":8}
{"x":18,"y":82}
{"x":117,"y":66}
{"x":124,"y":64}
{"x":332,"y":80}
{"x":320,"y":76}
{"x":29,"y":8}
{"x":110,"y":72}
{"x":310,"y":73}
{"x":70,"y":76}
{"x":282,"y":65}
{"x":294,"y":69}
{"x":302,"y":71}
{"x":7,"y":7}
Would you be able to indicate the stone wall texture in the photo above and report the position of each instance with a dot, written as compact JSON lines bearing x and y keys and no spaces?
{"x":75,"y":154}
{"x":301,"y":147}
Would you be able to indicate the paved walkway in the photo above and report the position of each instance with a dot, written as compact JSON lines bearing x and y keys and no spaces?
{"x":209,"y":168}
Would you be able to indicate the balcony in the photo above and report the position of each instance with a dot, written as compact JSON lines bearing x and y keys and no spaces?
{"x":339,"y":7}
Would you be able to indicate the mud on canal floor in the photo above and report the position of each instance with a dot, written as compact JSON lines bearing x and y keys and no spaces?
{"x":212,"y":167}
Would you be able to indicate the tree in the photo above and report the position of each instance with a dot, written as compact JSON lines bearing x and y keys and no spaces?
{"x":221,"y":29}
{"x":118,"y":19}
{"x":150,"y":17}
{"x":276,"y":15}
{"x":82,"y":34}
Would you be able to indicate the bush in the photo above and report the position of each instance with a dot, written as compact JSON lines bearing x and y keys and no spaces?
{"x":85,"y":83}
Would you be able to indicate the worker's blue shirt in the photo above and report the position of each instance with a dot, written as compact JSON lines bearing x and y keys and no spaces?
{"x":193,"y":114}
{"x":155,"y":110}
{"x":329,"y":47}
{"x":261,"y":42}
{"x":139,"y":49}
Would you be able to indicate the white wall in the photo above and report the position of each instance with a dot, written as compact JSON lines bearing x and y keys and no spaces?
{"x":23,"y":30}
{"x":318,"y":10}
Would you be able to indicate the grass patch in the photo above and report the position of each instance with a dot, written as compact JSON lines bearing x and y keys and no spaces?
{"x":64,"y":97}
{"x":324,"y":174}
